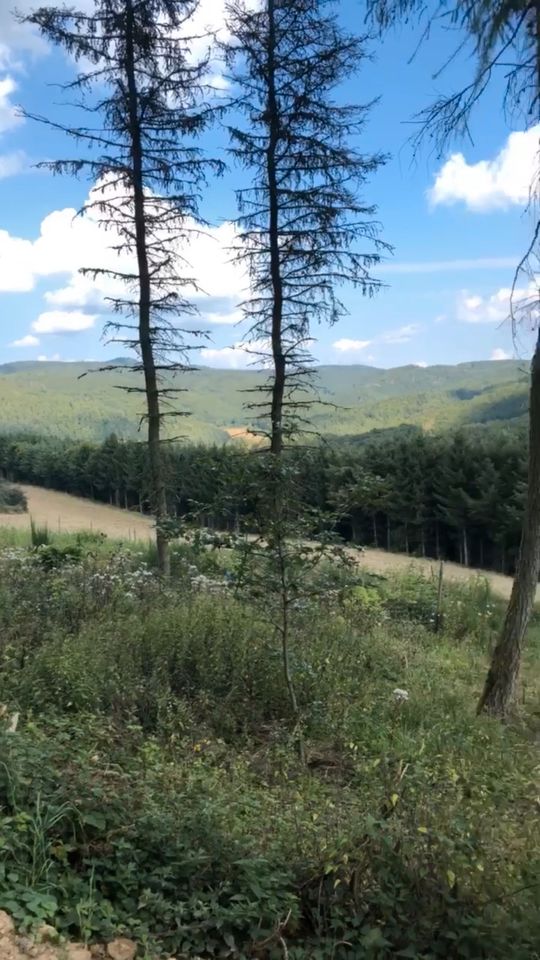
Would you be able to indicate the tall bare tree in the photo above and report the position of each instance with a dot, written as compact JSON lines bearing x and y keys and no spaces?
{"x":304,"y":232}
{"x":147,"y":92}
{"x":505,"y":37}
{"x":302,"y":217}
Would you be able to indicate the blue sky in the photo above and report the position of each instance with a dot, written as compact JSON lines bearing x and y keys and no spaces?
{"x":456,"y":222}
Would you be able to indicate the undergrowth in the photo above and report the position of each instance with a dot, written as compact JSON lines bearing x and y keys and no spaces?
{"x":152,"y":788}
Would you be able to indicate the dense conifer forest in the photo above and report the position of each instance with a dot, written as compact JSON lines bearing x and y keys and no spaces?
{"x":454,"y":496}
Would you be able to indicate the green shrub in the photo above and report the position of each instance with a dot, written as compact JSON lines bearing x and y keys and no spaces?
{"x":152,"y":787}
{"x":39,"y":536}
{"x":12,"y":499}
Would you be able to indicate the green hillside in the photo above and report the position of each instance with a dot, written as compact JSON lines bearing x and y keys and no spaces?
{"x":51,"y":398}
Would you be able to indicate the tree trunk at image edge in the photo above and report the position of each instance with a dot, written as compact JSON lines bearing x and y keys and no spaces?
{"x":158,"y":490}
{"x":500,"y":686}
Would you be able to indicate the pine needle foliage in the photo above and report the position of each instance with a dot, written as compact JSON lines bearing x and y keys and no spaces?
{"x":143,"y":95}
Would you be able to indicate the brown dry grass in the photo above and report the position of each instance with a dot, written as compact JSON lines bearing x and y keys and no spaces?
{"x":67,"y":514}
{"x":381,"y":562}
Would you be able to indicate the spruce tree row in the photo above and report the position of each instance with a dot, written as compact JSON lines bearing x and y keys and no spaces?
{"x":455,"y":497}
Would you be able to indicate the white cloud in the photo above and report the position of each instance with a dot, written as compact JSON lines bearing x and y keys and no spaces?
{"x":350,"y":346}
{"x":499,"y":354}
{"x":44,"y":359}
{"x":402,"y":334}
{"x":473,"y":308}
{"x":12,"y":163}
{"x":238,"y":357}
{"x":28,"y":341}
{"x":420,"y":363}
{"x":59,"y":321}
{"x":491,"y":184}
{"x":17,"y":273}
{"x":9,"y":116}
{"x":235,"y":316}
{"x":449,"y":266}
{"x":68,"y":243}
{"x":17,"y":37}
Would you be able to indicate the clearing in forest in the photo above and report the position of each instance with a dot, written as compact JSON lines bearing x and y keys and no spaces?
{"x":64,"y":513}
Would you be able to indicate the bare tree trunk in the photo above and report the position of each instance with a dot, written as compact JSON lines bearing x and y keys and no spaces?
{"x":375,"y":538}
{"x":438,"y":612}
{"x":500,"y":687}
{"x":159,"y":492}
{"x":388,"y":534}
{"x":284,"y":630}
{"x":278,"y":387}
{"x":278,"y":356}
{"x":465,"y":547}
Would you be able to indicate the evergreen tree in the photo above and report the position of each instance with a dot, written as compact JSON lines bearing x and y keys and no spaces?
{"x":301,"y":221}
{"x":142,"y":83}
{"x":302,"y":218}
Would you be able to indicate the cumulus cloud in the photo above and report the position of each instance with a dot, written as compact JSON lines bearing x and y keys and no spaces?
{"x":9,"y":116}
{"x":67,"y":243}
{"x":59,"y":321}
{"x":500,"y":354}
{"x":238,"y":357}
{"x":17,"y":274}
{"x":345,"y":345}
{"x":18,"y":38}
{"x":28,"y":341}
{"x":214,"y":317}
{"x":495,"y":308}
{"x":420,"y":363}
{"x":490,"y":184}
{"x":44,"y":359}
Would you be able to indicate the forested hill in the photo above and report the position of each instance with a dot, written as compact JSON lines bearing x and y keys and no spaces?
{"x":50,"y":398}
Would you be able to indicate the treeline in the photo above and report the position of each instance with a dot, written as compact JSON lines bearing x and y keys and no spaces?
{"x":456,"y":497}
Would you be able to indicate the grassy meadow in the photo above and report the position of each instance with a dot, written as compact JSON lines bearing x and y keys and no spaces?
{"x":150,"y":785}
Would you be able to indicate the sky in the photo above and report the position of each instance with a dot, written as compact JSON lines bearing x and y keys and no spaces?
{"x":457,"y":223}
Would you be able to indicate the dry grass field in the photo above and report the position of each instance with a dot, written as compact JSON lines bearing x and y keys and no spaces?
{"x":67,"y":514}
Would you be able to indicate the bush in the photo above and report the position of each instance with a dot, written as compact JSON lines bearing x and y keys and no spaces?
{"x":12,"y":499}
{"x":152,"y":787}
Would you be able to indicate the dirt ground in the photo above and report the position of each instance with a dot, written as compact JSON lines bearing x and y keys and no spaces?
{"x":67,"y":514}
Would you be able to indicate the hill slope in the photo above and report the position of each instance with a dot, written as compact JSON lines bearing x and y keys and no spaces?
{"x":50,"y":398}
{"x":62,"y":513}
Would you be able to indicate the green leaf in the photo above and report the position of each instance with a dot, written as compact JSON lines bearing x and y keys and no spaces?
{"x":374,"y":938}
{"x":94,"y":819}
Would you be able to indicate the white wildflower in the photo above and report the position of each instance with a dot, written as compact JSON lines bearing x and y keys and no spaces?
{"x":400,"y":696}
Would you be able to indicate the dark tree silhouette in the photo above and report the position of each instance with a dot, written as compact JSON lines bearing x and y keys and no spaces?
{"x":304,"y":231}
{"x":145,"y":94}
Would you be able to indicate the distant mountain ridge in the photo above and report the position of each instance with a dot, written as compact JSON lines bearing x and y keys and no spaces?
{"x":50,"y":398}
